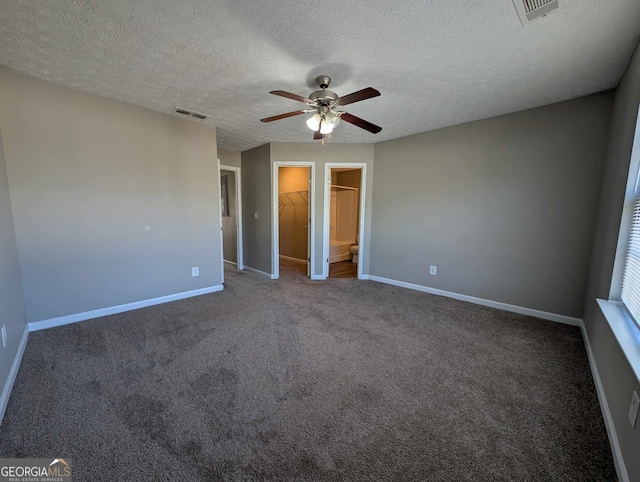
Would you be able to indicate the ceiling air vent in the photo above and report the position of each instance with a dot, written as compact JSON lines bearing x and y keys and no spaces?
{"x":530,"y":9}
{"x":189,"y":113}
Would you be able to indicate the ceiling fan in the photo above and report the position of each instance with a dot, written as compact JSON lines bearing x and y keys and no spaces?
{"x":323,"y":104}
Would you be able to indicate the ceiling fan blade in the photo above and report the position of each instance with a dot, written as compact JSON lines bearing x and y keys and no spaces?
{"x":356,"y":121}
{"x":291,"y":96}
{"x":363,"y":94}
{"x":317,"y":136}
{"x":282,"y":116}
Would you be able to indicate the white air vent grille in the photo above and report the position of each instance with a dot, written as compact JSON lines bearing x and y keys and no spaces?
{"x":530,"y":9}
{"x":190,"y":113}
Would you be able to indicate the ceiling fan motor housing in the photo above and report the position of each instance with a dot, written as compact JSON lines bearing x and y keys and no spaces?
{"x":323,"y":97}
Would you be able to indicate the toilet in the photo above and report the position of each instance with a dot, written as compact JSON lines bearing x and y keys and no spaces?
{"x":354,"y":251}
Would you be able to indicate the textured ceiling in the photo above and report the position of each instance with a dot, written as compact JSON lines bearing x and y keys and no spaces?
{"x":436,"y":63}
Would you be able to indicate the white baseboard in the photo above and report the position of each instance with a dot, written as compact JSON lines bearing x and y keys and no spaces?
{"x":257,"y":271}
{"x":318,"y":277}
{"x":480,"y":301}
{"x":112,"y":310}
{"x":364,"y":276}
{"x":295,"y":260}
{"x":230,"y":262}
{"x":15,"y":366}
{"x":621,"y":468}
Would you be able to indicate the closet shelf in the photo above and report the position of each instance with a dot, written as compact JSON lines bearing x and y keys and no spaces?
{"x":303,"y":194}
{"x":338,"y":186}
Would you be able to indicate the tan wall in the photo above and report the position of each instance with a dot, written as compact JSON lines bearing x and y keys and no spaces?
{"x":349,"y":178}
{"x":618,"y":378}
{"x":293,"y":179}
{"x":293,"y":212}
{"x":11,"y":301}
{"x":112,"y":203}
{"x":229,"y":157}
{"x":504,"y":207}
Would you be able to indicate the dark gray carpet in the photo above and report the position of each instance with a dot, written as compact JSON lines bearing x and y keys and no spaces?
{"x":301,"y":380}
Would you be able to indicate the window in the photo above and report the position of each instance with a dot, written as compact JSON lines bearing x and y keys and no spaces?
{"x":630,"y":289}
{"x":631,"y":279}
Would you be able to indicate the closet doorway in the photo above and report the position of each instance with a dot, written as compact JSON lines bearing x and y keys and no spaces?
{"x":344,"y":220}
{"x":293,"y":216}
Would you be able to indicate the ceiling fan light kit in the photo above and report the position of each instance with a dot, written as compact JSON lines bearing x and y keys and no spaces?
{"x":314,"y":122}
{"x":323,"y":104}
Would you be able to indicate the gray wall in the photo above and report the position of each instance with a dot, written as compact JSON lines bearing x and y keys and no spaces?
{"x":111,"y":203}
{"x":504,"y":207}
{"x":11,"y":302}
{"x":617,"y":378}
{"x":228,"y":157}
{"x":256,"y":197}
{"x":343,"y":153}
{"x":230,"y":222}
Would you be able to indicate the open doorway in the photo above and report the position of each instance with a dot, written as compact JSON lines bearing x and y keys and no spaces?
{"x":344,"y":220}
{"x":231,"y":215}
{"x":293,"y":219}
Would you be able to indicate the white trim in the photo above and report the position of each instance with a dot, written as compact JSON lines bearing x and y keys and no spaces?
{"x":362,"y":250}
{"x":318,"y":277}
{"x":88,"y":315}
{"x":230,"y":262}
{"x":545,"y":315}
{"x":15,"y":366}
{"x":365,"y":277}
{"x":239,"y":240}
{"x":618,"y":460}
{"x":275,"y":234}
{"x":294,"y":260}
{"x":624,"y":229}
{"x":257,"y":271}
{"x":625,"y":331}
{"x":220,"y":224}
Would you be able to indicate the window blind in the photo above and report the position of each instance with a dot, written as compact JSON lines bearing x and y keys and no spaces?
{"x":631,"y":278}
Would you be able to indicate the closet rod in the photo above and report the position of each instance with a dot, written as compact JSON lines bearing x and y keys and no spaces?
{"x":345,"y":187}
{"x":294,"y":192}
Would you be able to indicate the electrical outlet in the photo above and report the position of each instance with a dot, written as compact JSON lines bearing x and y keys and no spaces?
{"x":195,"y":271}
{"x":407,"y":266}
{"x":4,"y":335}
{"x":255,"y":215}
{"x":433,"y":270}
{"x":633,"y":411}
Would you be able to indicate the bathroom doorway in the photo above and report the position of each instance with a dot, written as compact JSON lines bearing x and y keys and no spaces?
{"x":344,"y":221}
{"x":231,"y":215}
{"x":293,"y":219}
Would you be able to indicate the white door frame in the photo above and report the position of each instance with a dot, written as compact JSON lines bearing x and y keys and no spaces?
{"x":275,"y":226}
{"x":237,"y":171}
{"x":362,"y":250}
